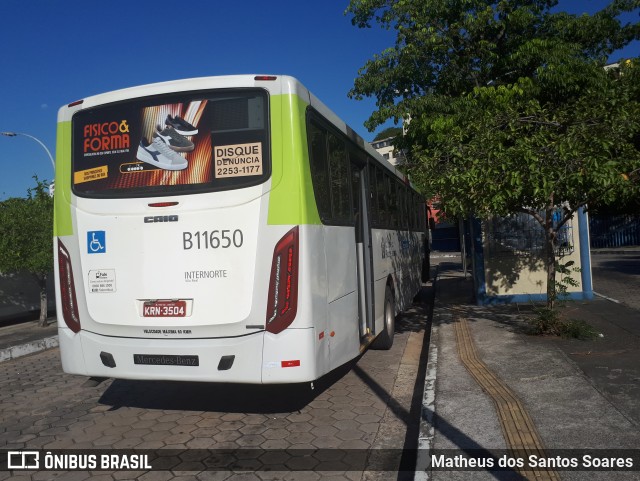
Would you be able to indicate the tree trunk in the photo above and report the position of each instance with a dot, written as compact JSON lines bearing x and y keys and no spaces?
{"x":42,"y":283}
{"x":550,"y":254}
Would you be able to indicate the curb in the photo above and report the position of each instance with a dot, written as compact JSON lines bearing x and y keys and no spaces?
{"x":615,"y":251}
{"x":14,"y":352}
{"x":607,"y":298}
{"x":426,"y":431}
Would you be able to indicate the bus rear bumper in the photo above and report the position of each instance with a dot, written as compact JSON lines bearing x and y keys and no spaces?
{"x":292,"y":356}
{"x":288,"y":357}
{"x":204,"y":360}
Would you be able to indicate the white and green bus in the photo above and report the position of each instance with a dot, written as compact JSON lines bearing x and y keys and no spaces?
{"x":226,"y":229}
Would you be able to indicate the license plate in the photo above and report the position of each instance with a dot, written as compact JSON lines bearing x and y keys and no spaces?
{"x":164,"y":309}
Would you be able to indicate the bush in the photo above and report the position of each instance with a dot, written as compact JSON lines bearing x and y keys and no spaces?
{"x":550,"y":322}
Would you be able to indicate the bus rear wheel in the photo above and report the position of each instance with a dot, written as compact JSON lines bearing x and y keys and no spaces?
{"x":384,"y":341}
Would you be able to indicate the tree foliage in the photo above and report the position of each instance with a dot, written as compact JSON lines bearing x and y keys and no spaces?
{"x":388,"y":132}
{"x":509,"y":103}
{"x":26,"y":230}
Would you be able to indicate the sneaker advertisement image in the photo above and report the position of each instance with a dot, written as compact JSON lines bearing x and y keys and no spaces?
{"x":193,"y":141}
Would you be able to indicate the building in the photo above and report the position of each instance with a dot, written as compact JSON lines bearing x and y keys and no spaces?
{"x":386,"y":149}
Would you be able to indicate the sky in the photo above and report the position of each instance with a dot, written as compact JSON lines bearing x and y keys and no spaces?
{"x":57,"y":51}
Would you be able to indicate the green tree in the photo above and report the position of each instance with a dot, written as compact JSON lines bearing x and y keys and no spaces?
{"x":26,"y":233}
{"x":388,"y":132}
{"x":509,"y":105}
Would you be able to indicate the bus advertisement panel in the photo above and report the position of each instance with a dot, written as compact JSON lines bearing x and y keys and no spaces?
{"x":203,"y":141}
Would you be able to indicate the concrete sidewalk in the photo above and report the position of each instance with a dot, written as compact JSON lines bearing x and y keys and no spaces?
{"x":499,"y":388}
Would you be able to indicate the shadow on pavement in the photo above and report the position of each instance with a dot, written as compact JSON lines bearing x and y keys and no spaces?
{"x":629,"y":264}
{"x":218,"y":397}
{"x":243,"y":398}
{"x":610,"y":361}
{"x":417,"y":411}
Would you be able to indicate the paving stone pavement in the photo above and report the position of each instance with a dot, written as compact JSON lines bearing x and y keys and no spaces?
{"x":366,"y":405}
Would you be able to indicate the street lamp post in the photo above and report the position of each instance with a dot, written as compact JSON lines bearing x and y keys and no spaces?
{"x":14,"y":134}
{"x":53,"y":163}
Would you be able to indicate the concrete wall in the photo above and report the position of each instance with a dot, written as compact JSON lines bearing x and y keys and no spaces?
{"x":20,"y":294}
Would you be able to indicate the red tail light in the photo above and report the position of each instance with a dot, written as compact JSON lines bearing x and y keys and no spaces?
{"x":67,"y":289}
{"x":163,"y":204}
{"x":282,"y":302}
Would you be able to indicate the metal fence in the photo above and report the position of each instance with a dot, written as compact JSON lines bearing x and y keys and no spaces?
{"x":445,"y":238}
{"x":614,"y":230}
{"x":520,"y":235}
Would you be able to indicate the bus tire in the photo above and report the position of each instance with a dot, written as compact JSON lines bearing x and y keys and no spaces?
{"x":384,"y":341}
{"x":426,"y":269}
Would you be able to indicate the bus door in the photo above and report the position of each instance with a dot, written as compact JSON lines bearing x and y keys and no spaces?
{"x":363,"y":243}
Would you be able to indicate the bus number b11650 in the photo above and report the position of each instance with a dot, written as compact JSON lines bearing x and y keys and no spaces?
{"x":215,"y":239}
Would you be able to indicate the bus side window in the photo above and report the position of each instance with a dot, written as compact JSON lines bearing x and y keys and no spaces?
{"x":373,"y":200}
{"x":339,"y":180}
{"x":383,"y":204}
{"x":392,"y":201}
{"x":320,"y":170}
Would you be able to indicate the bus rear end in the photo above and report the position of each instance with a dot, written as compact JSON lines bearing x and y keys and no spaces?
{"x":166,"y":265}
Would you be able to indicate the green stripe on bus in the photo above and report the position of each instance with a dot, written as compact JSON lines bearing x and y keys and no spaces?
{"x":62,"y":224}
{"x":291,"y":200}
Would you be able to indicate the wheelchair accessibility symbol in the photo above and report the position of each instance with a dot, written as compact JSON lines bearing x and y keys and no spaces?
{"x":96,"y":242}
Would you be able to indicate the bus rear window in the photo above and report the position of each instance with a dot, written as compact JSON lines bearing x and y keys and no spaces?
{"x":172,"y":144}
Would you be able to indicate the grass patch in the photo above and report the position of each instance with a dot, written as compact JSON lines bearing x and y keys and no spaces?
{"x":550,"y":322}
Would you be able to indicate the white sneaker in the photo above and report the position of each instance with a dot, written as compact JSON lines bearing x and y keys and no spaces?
{"x":160,"y":154}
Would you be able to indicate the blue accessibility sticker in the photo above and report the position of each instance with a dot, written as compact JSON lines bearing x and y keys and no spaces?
{"x":96,"y":242}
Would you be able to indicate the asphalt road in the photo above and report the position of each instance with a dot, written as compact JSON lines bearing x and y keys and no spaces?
{"x":617,"y":276}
